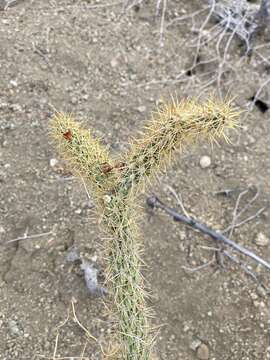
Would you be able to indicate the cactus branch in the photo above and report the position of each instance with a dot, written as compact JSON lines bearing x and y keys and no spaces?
{"x":84,"y":153}
{"x":170,"y":129}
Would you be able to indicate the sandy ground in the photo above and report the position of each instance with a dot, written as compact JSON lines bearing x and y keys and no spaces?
{"x":109,"y":69}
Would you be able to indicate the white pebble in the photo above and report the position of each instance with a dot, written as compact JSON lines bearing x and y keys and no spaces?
{"x":13,"y":83}
{"x":142,"y":109}
{"x":195,"y":344}
{"x":262,"y":240}
{"x":205,"y":161}
{"x":13,"y":328}
{"x":114,"y":63}
{"x":53,"y":162}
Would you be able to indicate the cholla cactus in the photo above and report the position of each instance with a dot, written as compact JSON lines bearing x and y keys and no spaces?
{"x":115,"y":184}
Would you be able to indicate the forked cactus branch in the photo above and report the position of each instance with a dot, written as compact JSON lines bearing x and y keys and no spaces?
{"x":115,"y":183}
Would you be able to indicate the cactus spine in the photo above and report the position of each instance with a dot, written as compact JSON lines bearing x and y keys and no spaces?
{"x":115,"y":184}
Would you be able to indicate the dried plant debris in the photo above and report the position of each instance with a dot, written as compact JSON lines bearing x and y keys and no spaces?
{"x":260,"y":104}
{"x":90,"y":272}
{"x":243,"y":18}
{"x":91,"y":280}
{"x":261,"y":240}
{"x":5,"y":4}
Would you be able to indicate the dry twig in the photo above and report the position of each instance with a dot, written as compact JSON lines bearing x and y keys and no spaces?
{"x":154,"y":202}
{"x":235,"y":21}
{"x":26,"y":236}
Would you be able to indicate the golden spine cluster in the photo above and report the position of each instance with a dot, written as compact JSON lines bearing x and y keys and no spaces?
{"x":115,"y":183}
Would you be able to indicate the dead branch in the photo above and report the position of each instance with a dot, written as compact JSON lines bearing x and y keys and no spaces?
{"x":236,"y":214}
{"x":200,"y":267}
{"x":261,"y":19}
{"x":234,"y":19}
{"x":154,"y":202}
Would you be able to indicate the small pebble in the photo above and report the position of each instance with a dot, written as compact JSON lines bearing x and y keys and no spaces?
{"x":205,"y":162}
{"x":203,"y":352}
{"x":74,"y":100}
{"x":13,"y":83}
{"x":114,"y":63}
{"x":195,"y":344}
{"x":262,"y":240}
{"x":15,"y":107}
{"x":141,"y":109}
{"x":261,"y":291}
{"x":254,"y":296}
{"x":53,"y":162}
{"x":132,"y":76}
{"x":85,"y":97}
{"x":13,"y":328}
{"x":186,"y":328}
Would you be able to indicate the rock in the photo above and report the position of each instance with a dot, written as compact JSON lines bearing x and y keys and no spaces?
{"x":203,"y":352}
{"x":262,"y":292}
{"x":85,"y":97}
{"x":254,"y":296}
{"x":141,"y":109}
{"x":205,"y":162}
{"x":14,"y":328}
{"x":15,"y":107}
{"x":53,"y":162}
{"x":132,"y":76}
{"x":74,"y":100}
{"x":195,"y":344}
{"x":13,"y":83}
{"x":3,"y":105}
{"x":186,"y":328}
{"x":262,"y":240}
{"x":114,"y":63}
